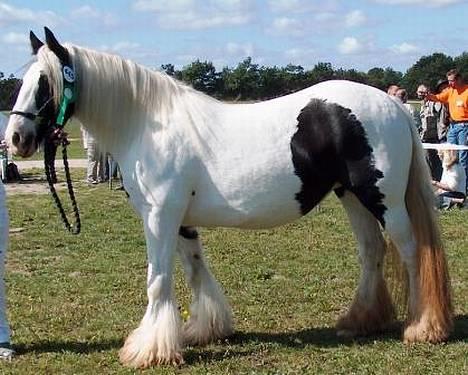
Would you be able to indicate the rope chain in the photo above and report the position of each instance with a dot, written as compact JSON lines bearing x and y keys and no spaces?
{"x":50,"y":150}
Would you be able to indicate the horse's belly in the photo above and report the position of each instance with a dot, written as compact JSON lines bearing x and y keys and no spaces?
{"x":258,"y":205}
{"x":228,"y":217}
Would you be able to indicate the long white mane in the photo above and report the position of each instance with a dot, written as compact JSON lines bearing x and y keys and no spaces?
{"x":116,"y":96}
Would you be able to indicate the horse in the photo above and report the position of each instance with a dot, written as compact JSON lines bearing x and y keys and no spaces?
{"x":188,"y":161}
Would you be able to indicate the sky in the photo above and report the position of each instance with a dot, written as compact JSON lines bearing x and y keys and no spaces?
{"x":358,"y":34}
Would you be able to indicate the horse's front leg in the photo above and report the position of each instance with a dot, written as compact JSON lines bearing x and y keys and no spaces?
{"x":158,"y":339}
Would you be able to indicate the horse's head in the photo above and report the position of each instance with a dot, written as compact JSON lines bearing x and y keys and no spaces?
{"x":40,"y":99}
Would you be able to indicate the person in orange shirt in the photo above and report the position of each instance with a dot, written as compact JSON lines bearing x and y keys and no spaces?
{"x":456,"y":96}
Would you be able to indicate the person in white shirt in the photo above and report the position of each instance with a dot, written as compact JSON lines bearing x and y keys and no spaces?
{"x":450,"y":190}
{"x":6,"y":352}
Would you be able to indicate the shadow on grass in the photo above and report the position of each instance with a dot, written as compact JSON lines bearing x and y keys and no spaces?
{"x":326,"y":337}
{"x":460,"y":330}
{"x":240,"y":344}
{"x":81,"y":347}
{"x":320,"y":337}
{"x":30,"y":178}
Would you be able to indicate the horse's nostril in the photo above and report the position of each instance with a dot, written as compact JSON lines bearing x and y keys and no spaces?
{"x":15,"y":139}
{"x":28,"y":140}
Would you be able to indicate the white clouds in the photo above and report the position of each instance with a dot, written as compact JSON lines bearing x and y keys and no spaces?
{"x":329,"y":22}
{"x":122,"y":47}
{"x":85,"y":11}
{"x":286,"y":26}
{"x":302,"y":6}
{"x":404,"y":48}
{"x":193,"y":15}
{"x":355,"y":18}
{"x":427,"y":3}
{"x":350,"y":45}
{"x":15,"y":38}
{"x":88,"y":13}
{"x":300,"y":55}
{"x":195,"y":21}
{"x":163,"y":5}
{"x":10,"y":15}
{"x":240,"y":50}
{"x":284,"y":5}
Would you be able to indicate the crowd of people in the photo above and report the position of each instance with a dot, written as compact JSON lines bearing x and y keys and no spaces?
{"x":443,"y":118}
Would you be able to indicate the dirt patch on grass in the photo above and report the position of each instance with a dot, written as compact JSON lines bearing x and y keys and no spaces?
{"x":32,"y":184}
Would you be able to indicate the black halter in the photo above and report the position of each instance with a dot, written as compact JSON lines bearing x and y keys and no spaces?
{"x":41,"y":119}
{"x":29,"y":115}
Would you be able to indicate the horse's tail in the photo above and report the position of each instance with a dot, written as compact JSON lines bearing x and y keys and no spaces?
{"x":434,"y":283}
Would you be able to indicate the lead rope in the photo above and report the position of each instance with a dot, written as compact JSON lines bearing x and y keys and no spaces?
{"x":50,"y":149}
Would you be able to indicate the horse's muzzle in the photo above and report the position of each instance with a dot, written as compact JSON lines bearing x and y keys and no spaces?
{"x":22,"y":143}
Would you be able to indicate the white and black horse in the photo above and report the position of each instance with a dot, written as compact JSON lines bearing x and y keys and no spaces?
{"x":188,"y":160}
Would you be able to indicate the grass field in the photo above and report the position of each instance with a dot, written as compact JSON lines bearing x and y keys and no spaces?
{"x":73,"y":299}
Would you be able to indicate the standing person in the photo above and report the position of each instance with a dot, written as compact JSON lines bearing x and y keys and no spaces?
{"x":6,"y":352}
{"x":456,"y":96}
{"x":95,"y":169}
{"x":402,"y":95}
{"x":433,"y":119}
{"x":392,"y":89}
{"x":444,"y":118}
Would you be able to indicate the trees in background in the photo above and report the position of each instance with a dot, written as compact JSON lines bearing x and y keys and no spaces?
{"x":8,"y":91}
{"x":250,"y":81}
{"x":427,"y":70}
{"x":382,"y":78}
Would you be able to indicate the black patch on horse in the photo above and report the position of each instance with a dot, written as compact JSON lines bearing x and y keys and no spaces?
{"x":189,"y":233}
{"x":43,"y":93}
{"x":330,"y":147}
{"x":45,"y":106}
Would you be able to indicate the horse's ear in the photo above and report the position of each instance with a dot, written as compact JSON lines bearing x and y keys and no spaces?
{"x":53,"y":44}
{"x":35,"y":43}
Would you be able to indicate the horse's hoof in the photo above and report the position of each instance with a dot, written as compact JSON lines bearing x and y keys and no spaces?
{"x":137,"y":352}
{"x":194,"y":335}
{"x":429,"y":328}
{"x":140,"y":360}
{"x":423,"y":333}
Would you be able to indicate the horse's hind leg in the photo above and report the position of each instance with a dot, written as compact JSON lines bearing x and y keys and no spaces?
{"x":210,"y":314}
{"x":372,"y":309}
{"x":429,"y":307}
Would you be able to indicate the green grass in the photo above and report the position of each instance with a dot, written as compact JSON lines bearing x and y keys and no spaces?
{"x":73,"y":299}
